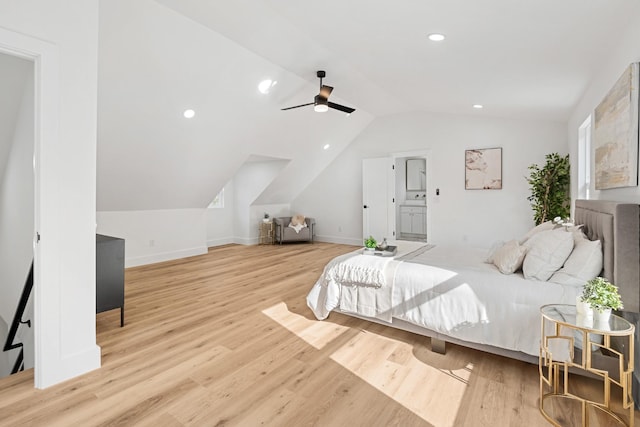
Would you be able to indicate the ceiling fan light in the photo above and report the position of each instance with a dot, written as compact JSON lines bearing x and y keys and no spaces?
{"x":320,"y":104}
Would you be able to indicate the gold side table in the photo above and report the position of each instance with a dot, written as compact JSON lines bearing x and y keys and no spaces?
{"x":267,"y":233}
{"x":603,"y":350}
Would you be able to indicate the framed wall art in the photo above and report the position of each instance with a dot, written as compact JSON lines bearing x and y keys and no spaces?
{"x":483,"y":169}
{"x":615,"y":135}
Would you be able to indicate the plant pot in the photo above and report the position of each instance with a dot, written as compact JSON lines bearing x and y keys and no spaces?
{"x":583,"y":308}
{"x":601,"y":318}
{"x":369,"y":251}
{"x":266,"y":220}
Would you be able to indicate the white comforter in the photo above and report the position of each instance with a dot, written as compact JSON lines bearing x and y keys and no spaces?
{"x":450,"y":290}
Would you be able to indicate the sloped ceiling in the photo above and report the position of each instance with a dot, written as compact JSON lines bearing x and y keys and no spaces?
{"x":153,"y":64}
{"x":13,"y":74}
{"x":521,"y":59}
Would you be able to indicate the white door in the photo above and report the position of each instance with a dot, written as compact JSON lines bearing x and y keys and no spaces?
{"x":377,"y":179}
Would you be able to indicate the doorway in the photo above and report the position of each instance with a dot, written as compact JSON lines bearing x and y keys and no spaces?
{"x":17,"y":208}
{"x":411,"y":198}
{"x":395,"y":195}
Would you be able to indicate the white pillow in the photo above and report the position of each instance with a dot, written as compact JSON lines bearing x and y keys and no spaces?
{"x":509,"y":257}
{"x":546,"y":253}
{"x":584,"y":263}
{"x":492,"y":251}
{"x":537,"y":229}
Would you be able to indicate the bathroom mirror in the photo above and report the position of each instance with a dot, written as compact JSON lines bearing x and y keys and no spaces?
{"x":416,"y":175}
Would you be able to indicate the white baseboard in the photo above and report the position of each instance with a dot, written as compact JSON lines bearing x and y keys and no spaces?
{"x":163,"y":256}
{"x":220,"y":242}
{"x":341,"y":240}
{"x":246,"y":240}
{"x":66,"y":366}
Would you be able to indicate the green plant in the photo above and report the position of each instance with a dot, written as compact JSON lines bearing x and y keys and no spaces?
{"x":370,"y":242}
{"x":549,"y":184}
{"x":601,"y":294}
{"x":266,"y":215}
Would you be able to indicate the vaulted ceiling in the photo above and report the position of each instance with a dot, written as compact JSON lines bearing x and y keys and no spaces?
{"x":14,"y":72}
{"x":520,"y":59}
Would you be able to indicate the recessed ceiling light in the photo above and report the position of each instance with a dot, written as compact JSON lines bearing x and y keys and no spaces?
{"x":326,"y":147}
{"x":478,"y":106}
{"x":189,"y":113}
{"x":436,"y":37}
{"x":266,"y":85}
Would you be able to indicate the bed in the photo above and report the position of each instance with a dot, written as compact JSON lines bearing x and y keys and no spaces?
{"x":452,"y":295}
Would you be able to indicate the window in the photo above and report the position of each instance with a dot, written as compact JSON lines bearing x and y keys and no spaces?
{"x":584,"y":159}
{"x":218,"y":201}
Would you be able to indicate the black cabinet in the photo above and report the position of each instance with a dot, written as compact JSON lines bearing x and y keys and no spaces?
{"x":110,"y":274}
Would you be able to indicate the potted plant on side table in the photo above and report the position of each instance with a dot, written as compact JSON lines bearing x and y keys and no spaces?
{"x":603,"y":297}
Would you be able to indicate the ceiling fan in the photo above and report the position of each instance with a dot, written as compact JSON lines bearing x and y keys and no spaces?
{"x":321,"y":101}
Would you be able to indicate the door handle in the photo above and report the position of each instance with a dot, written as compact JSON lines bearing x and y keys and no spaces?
{"x":365,"y":206}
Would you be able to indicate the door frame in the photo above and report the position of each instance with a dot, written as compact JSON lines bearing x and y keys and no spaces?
{"x":430,"y":190}
{"x":46,"y":286}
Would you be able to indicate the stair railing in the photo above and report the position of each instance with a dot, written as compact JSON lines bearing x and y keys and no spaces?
{"x":17,"y":321}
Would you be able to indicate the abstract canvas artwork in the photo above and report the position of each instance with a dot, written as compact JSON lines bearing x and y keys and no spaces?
{"x":616,"y":134}
{"x":483,"y":169}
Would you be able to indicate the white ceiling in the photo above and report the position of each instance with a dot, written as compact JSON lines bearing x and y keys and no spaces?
{"x":520,"y":58}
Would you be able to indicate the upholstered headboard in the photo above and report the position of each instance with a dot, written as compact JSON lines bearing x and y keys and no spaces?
{"x":617,"y":226}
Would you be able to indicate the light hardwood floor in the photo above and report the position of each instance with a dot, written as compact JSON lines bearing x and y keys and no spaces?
{"x":226,"y":339}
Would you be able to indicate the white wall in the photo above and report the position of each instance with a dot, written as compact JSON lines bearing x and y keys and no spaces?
{"x":220,"y":220}
{"x":250,"y":180}
{"x":16,"y":198}
{"x":63,"y":36}
{"x":627,"y":51}
{"x":476,"y":217}
{"x":156,"y":236}
{"x":161,"y":235}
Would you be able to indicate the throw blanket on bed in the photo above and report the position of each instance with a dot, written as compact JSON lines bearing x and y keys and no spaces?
{"x":364,"y":270}
{"x":357,"y":283}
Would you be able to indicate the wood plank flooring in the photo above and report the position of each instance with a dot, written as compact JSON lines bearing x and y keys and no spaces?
{"x":226,"y":339}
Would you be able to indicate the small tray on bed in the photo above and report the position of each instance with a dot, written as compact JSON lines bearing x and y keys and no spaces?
{"x":388,"y":251}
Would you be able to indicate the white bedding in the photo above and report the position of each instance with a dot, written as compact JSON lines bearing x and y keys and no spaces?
{"x":450,"y":290}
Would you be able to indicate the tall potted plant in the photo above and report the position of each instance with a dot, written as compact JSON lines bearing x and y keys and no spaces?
{"x":549,"y":184}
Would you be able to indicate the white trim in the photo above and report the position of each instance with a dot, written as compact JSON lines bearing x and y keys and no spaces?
{"x":219,"y":242}
{"x":246,"y":240}
{"x":585,"y":157}
{"x":47,"y":288}
{"x":164,"y":256}
{"x":431,"y":188}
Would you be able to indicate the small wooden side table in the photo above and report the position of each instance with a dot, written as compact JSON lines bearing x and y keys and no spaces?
{"x":266,"y":233}
{"x":601,"y":350}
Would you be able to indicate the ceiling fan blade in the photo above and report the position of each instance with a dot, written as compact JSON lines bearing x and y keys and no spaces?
{"x":297,"y":106}
{"x":347,"y":110}
{"x":325,"y":91}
